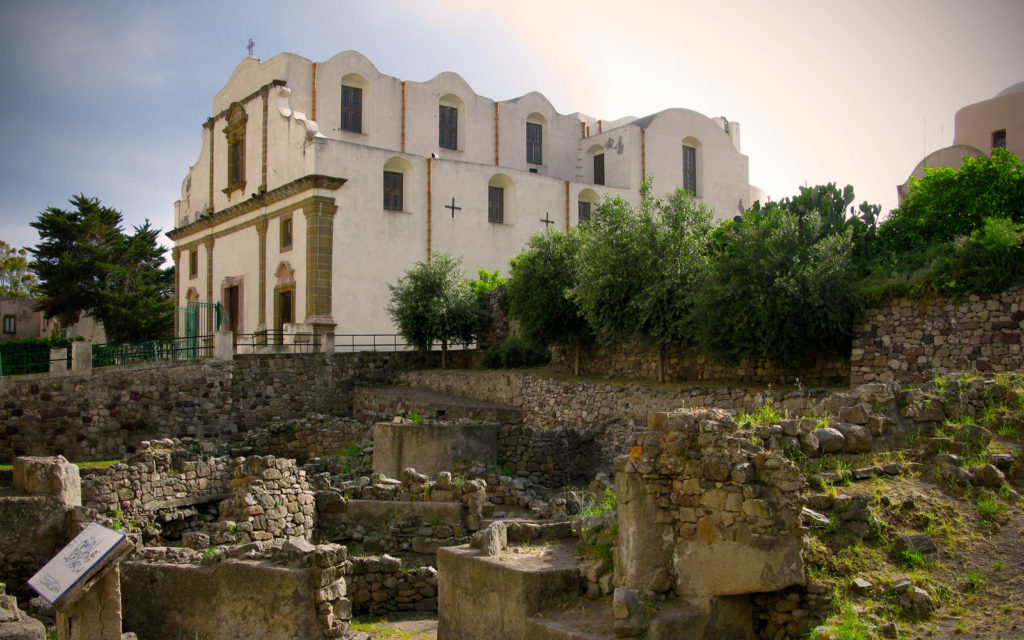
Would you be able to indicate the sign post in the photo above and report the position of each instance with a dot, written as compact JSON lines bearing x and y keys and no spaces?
{"x":83,"y":584}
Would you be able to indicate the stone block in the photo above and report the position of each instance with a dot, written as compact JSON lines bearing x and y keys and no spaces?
{"x":48,"y":476}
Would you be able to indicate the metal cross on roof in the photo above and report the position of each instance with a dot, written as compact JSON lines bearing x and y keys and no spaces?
{"x":453,"y":207}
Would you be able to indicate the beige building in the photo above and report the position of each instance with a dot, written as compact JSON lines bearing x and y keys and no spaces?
{"x":318,"y":184}
{"x":979,"y":128}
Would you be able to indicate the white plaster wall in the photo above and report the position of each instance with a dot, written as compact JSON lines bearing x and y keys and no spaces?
{"x":976,"y":122}
{"x":382,"y":102}
{"x":722,"y":172}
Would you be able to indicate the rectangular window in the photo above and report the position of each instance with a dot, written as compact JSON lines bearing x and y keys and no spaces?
{"x":193,"y":263}
{"x":495,"y":205}
{"x":392,"y":191}
{"x":351,"y":109}
{"x":236,"y":158}
{"x":599,"y":169}
{"x":448,"y":131}
{"x":690,"y":169}
{"x":286,"y":233}
{"x":999,"y":139}
{"x":584,"y":212}
{"x":534,"y":143}
{"x":10,"y":325}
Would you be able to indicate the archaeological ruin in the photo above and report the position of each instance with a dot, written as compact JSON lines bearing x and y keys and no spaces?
{"x":282,"y":495}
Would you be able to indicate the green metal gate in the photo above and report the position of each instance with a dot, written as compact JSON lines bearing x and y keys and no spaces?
{"x":197,"y":322}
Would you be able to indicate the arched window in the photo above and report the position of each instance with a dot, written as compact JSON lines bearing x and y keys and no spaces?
{"x":395,"y":171}
{"x":535,"y":124}
{"x":191,"y":296}
{"x":692,"y":168}
{"x":234,"y":133}
{"x":500,"y":199}
{"x":448,"y":123}
{"x":353,"y":87}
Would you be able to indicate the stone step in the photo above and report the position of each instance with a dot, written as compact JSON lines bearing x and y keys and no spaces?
{"x":580,"y":620}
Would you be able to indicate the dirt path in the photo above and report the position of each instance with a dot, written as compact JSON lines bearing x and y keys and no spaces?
{"x":399,"y":627}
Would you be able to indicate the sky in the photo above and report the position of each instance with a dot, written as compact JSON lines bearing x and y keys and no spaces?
{"x":108,"y":98}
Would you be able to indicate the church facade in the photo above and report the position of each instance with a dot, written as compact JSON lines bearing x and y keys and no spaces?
{"x":318,"y":184}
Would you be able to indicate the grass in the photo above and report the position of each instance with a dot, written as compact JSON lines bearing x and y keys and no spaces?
{"x":382,"y":629}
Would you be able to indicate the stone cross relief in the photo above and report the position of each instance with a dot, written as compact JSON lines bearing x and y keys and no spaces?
{"x":453,"y":207}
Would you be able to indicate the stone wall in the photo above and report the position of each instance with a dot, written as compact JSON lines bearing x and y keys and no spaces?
{"x":381,"y":526}
{"x":686,"y":364}
{"x":106,"y":414}
{"x":704,"y":513}
{"x":431,"y":447}
{"x":380,"y":585}
{"x":154,"y":480}
{"x":34,"y":517}
{"x":913,"y":340}
{"x":549,"y":402}
{"x":271,"y":494}
{"x":494,"y":327}
{"x":294,"y":590}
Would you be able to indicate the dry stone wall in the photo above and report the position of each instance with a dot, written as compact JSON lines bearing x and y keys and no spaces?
{"x":271,"y":494}
{"x":380,"y":585}
{"x":108,"y":413}
{"x":913,"y":340}
{"x":685,"y":364}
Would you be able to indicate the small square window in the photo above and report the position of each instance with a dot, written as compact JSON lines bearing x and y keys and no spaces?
{"x":10,"y":325}
{"x":448,"y":130}
{"x":286,"y":233}
{"x":193,"y":263}
{"x":495,"y":205}
{"x":352,"y":109}
{"x":999,"y":139}
{"x":392,"y":191}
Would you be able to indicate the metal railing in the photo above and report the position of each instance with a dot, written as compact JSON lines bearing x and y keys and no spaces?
{"x":186,"y":348}
{"x":277,"y":341}
{"x":353,"y":342}
{"x":30,"y":360}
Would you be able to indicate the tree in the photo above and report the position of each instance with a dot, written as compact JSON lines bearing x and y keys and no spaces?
{"x":637,"y":268}
{"x":87,"y":264}
{"x":949,"y":203}
{"x":431,"y":302}
{"x":539,"y":289}
{"x":776,"y":286}
{"x":16,"y":280}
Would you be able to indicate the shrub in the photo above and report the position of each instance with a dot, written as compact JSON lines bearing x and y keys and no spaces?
{"x":515,"y":352}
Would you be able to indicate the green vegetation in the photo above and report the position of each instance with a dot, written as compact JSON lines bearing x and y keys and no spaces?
{"x":784,"y":279}
{"x":416,"y":418}
{"x":432,"y":303}
{"x":86,"y":263}
{"x":16,"y":280}
{"x":515,"y":352}
{"x":598,"y":507}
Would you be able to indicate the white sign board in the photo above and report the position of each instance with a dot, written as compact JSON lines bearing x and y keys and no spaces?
{"x":75,"y":562}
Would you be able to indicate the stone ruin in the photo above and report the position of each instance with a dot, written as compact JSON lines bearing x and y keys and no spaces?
{"x":706,"y":540}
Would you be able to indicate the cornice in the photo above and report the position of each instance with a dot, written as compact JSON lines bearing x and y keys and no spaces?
{"x":258,"y":201}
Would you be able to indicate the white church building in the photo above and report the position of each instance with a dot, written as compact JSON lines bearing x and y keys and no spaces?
{"x":318,"y":184}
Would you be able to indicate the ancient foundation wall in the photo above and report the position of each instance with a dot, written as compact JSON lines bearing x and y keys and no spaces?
{"x":913,"y":340}
{"x":704,"y":513}
{"x":380,"y":586}
{"x":430,"y":448}
{"x":107,"y":413}
{"x":298,"y":595}
{"x":687,"y":364}
{"x":381,"y":526}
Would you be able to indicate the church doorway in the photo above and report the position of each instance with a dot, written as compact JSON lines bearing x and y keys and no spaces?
{"x":284,"y":312}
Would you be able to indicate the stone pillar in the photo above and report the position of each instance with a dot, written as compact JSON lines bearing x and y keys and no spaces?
{"x":328,"y":339}
{"x":224,"y":345}
{"x":319,"y":212}
{"x":208,"y":243}
{"x":58,"y":360}
{"x":176,"y":255}
{"x":97,"y":614}
{"x":81,"y":356}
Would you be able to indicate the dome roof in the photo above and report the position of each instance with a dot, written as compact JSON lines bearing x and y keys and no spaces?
{"x":1014,"y":88}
